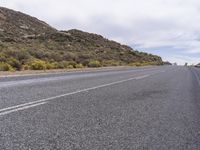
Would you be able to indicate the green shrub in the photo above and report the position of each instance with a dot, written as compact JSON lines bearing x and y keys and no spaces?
{"x":136,"y":64}
{"x":59,"y":65}
{"x":94,"y":63}
{"x":69,"y":64}
{"x":111,"y":63}
{"x":23,"y":55}
{"x":2,"y":57}
{"x":70,"y":67}
{"x":37,"y":65}
{"x":50,"y":65}
{"x":73,"y":63}
{"x":6,"y":67}
{"x":26,"y":67}
{"x":139,"y":64}
{"x":15,"y":63}
{"x":79,"y":66}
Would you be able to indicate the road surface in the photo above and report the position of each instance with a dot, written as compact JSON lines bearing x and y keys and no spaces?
{"x":156,"y":108}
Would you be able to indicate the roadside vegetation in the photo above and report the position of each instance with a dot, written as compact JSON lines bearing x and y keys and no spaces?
{"x":19,"y":56}
{"x":14,"y":60}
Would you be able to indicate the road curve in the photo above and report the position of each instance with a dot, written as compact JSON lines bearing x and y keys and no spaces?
{"x":154,"y":108}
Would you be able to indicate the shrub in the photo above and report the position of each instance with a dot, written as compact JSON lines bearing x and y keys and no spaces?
{"x":138,"y":64}
{"x":23,"y":55}
{"x":37,"y":65}
{"x":73,"y":63}
{"x":94,"y":63}
{"x":26,"y":67}
{"x":111,"y":63}
{"x":58,"y":65}
{"x":79,"y":66}
{"x":69,"y":64}
{"x":70,"y":67}
{"x":2,"y":57}
{"x":18,"y":54}
{"x":15,"y":63}
{"x":6,"y":67}
{"x":50,"y":65}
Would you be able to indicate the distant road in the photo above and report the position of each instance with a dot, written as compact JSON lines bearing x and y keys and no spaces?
{"x":156,"y":108}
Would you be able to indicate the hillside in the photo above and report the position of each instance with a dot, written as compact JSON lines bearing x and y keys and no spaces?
{"x":28,"y":43}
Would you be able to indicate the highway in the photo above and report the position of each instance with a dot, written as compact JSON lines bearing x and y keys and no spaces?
{"x":151,"y":108}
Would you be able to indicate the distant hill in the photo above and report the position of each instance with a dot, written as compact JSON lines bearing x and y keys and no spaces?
{"x":197,"y":65}
{"x":28,"y":43}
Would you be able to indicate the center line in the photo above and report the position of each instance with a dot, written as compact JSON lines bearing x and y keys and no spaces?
{"x":11,"y":109}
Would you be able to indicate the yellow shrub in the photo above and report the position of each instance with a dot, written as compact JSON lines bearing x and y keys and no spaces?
{"x":6,"y":67}
{"x":37,"y":65}
{"x":94,"y":63}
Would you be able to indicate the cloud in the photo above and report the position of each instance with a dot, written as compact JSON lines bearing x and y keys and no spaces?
{"x":167,"y":28}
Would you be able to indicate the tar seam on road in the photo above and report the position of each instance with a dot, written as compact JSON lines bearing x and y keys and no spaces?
{"x":20,"y":107}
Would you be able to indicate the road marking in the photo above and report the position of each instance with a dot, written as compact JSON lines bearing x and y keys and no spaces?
{"x":24,"y":106}
{"x":21,"y":108}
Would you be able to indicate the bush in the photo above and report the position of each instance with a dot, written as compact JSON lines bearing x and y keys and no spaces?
{"x":6,"y":67}
{"x":70,"y":67}
{"x":79,"y":66}
{"x":94,"y":63}
{"x":73,"y":63}
{"x":23,"y":55}
{"x":18,"y":54}
{"x":37,"y":65}
{"x":57,"y":65}
{"x":69,"y":64}
{"x":2,"y":57}
{"x":111,"y":63}
{"x":26,"y":67}
{"x":50,"y":65}
{"x":139,"y":64}
{"x":15,"y":63}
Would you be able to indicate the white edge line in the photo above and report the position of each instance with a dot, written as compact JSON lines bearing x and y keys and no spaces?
{"x":21,"y":108}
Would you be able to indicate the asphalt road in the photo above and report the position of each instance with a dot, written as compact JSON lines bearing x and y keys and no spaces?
{"x":155,"y":108}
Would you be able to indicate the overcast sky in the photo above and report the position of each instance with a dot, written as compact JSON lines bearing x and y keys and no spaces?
{"x":169,"y":28}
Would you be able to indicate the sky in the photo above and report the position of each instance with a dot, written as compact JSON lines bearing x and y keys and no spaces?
{"x":168,"y":28}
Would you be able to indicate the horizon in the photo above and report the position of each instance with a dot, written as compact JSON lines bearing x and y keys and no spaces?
{"x":162,"y":29}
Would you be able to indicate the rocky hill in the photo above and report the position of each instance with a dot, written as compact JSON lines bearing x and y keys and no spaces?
{"x":28,"y":43}
{"x":16,"y":25}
